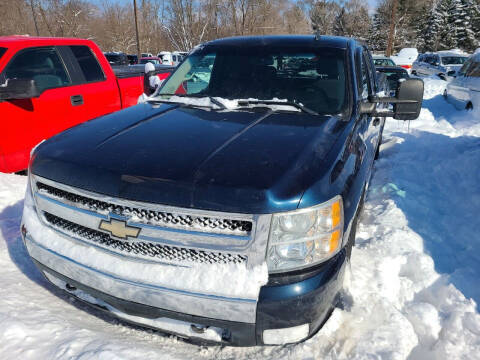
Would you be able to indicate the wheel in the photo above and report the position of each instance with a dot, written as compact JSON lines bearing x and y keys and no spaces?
{"x":469,"y":106}
{"x":442,"y":76}
{"x":414,"y":72}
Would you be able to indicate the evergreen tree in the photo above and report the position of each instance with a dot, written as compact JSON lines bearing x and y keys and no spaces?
{"x":466,"y":13}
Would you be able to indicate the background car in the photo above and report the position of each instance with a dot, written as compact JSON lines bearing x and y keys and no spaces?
{"x":132,"y":59}
{"x":151,"y":59}
{"x":393,"y":74}
{"x":117,"y":58}
{"x":405,"y":57}
{"x":464,"y":90}
{"x":440,"y":64}
{"x":379,"y":60}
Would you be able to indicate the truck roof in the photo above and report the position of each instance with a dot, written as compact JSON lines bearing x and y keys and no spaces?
{"x":285,"y":40}
{"x":36,"y":40}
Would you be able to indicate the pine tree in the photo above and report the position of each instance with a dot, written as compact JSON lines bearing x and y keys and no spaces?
{"x":433,"y":29}
{"x":467,"y":11}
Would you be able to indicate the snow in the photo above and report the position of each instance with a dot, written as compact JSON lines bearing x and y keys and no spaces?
{"x":228,"y":104}
{"x":411,"y":290}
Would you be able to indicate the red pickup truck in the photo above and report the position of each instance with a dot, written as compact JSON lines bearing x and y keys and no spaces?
{"x":50,"y":84}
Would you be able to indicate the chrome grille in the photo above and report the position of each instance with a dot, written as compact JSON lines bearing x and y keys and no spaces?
{"x":145,"y":249}
{"x":151,"y":217}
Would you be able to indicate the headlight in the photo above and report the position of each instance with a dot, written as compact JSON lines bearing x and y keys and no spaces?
{"x":305,"y":237}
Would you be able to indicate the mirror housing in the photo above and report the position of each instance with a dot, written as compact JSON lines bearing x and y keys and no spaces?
{"x":407,"y":102}
{"x":15,"y":89}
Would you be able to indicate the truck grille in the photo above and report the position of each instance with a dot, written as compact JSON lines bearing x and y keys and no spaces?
{"x":144,"y":249}
{"x":152,"y":217}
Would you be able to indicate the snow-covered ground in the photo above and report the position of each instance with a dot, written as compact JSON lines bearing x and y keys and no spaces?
{"x":411,"y":292}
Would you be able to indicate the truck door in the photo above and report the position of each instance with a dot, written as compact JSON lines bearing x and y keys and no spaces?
{"x":95,"y":93}
{"x":26,"y":122}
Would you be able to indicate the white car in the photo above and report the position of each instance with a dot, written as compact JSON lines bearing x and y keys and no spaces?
{"x":405,"y":58}
{"x":441,"y":64}
{"x":464,"y":90}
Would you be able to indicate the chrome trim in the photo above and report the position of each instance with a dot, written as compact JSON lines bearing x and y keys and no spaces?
{"x":144,"y":205}
{"x":213,"y":306}
{"x":252,"y":246}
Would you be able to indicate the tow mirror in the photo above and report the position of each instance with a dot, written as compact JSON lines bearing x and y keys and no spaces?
{"x":14,"y":89}
{"x":407,"y":102}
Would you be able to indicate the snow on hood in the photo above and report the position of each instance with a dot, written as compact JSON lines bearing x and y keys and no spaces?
{"x":227,"y":103}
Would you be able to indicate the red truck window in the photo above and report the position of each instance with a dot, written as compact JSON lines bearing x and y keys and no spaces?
{"x":2,"y":51}
{"x":88,"y":63}
{"x":42,"y":64}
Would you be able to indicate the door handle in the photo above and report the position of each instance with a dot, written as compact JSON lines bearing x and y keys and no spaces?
{"x":376,"y":122}
{"x":76,"y":100}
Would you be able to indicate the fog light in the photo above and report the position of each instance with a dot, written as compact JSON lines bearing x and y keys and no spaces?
{"x":285,"y":335}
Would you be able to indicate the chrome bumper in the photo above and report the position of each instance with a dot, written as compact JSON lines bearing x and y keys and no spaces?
{"x":188,"y":302}
{"x":212,"y":306}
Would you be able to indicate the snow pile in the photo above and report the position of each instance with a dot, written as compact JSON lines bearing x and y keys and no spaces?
{"x":410,"y":292}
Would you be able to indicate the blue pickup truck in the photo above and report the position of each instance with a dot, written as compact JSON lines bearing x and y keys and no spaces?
{"x":223,"y":209}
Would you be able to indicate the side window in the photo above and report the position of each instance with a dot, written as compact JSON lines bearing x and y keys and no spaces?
{"x":465,"y":68}
{"x":88,"y":63}
{"x":174,"y":58}
{"x":371,"y":71}
{"x":474,"y":70}
{"x":40,"y":64}
{"x":365,"y":85}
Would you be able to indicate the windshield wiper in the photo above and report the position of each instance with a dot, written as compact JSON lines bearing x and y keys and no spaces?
{"x":277,"y":102}
{"x":211,"y":98}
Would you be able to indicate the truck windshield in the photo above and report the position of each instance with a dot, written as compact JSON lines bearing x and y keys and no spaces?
{"x":313,"y":77}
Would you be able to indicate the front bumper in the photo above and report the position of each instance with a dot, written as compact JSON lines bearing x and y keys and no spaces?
{"x":286,"y":301}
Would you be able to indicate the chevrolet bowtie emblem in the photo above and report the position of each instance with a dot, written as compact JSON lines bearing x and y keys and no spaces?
{"x":119,"y":228}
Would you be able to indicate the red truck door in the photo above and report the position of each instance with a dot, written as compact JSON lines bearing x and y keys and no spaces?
{"x":97,"y":91}
{"x":74,"y":89}
{"x":28,"y":121}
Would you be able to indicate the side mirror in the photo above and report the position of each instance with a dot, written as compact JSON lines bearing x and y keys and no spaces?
{"x":407,"y":102}
{"x":452,"y":73}
{"x":14,"y":89}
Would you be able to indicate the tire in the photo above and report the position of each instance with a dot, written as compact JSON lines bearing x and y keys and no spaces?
{"x":414,"y":73}
{"x":353,"y":230}
{"x":469,"y":106}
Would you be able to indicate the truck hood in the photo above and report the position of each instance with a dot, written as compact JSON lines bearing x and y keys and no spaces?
{"x":238,"y":161}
